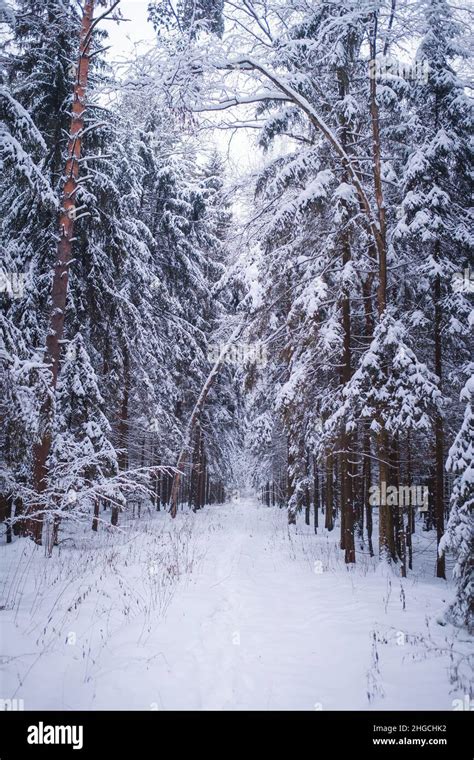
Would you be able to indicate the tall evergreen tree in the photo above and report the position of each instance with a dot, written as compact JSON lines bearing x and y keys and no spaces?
{"x":459,"y":536}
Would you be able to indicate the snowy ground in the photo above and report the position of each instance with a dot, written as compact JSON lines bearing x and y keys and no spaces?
{"x":225,"y":609}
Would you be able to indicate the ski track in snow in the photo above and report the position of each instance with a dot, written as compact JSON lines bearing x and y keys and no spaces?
{"x":261,"y":618}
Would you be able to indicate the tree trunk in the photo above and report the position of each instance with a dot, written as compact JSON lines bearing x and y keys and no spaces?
{"x":377,"y":171}
{"x":367,"y":476}
{"x":122,"y":431}
{"x":195,"y":471}
{"x":386,"y":547}
{"x":6,"y":508}
{"x":401,"y":535}
{"x":290,"y":484}
{"x":385,"y":521}
{"x":347,"y":512}
{"x":202,"y":491}
{"x":95,"y":519}
{"x":410,"y":529}
{"x":316,"y":494}
{"x":307,"y":506}
{"x":329,"y":521}
{"x":158,"y":481}
{"x":197,"y":499}
{"x":344,"y":494}
{"x":19,"y":525}
{"x":358,"y":495}
{"x":439,"y":429}
{"x":61,"y":270}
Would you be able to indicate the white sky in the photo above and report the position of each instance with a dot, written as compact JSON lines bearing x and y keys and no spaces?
{"x":123,"y":36}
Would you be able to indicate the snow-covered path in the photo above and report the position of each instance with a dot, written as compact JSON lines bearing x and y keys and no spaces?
{"x":257,"y":631}
{"x":275,"y":622}
{"x":263,"y":618}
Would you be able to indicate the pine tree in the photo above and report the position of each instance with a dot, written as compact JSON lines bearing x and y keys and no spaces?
{"x":191,"y":16}
{"x":82,"y":456}
{"x":23,"y":384}
{"x":435,"y":207}
{"x":41,"y":48}
{"x":459,"y":537}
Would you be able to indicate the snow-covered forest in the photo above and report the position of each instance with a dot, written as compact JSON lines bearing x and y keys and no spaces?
{"x":236,"y":369}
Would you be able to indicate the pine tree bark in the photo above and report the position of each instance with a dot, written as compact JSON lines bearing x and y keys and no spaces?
{"x":195,"y":471}
{"x":410,"y":529}
{"x":316,"y":494}
{"x":367,"y":478}
{"x":439,"y":428}
{"x":290,"y":478}
{"x":122,"y":431}
{"x":202,"y":490}
{"x":386,"y":543}
{"x":95,"y":519}
{"x":347,"y":513}
{"x":19,"y":525}
{"x":307,"y":506}
{"x":67,"y":216}
{"x":401,"y":535}
{"x":158,"y":481}
{"x":329,"y":520}
{"x":61,"y":270}
{"x":367,"y":464}
{"x":6,"y":508}
{"x":377,"y":172}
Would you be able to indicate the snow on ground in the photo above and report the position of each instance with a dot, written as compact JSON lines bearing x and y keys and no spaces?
{"x":225,"y":609}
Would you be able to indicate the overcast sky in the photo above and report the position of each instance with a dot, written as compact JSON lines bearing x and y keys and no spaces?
{"x":136,"y":28}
